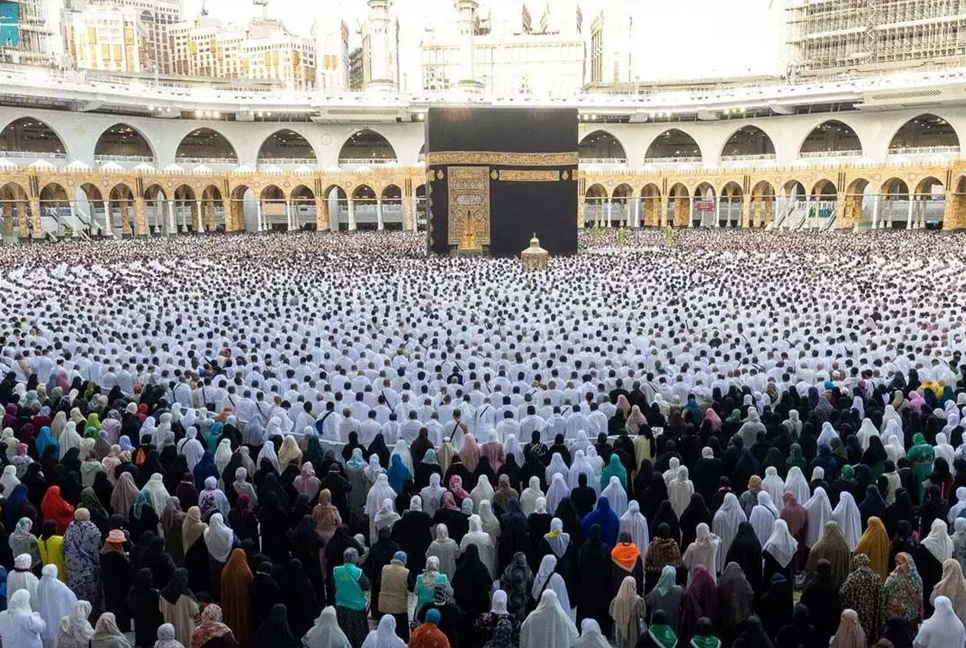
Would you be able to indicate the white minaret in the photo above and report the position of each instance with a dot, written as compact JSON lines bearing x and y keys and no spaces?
{"x":380,"y":47}
{"x":466,"y":23}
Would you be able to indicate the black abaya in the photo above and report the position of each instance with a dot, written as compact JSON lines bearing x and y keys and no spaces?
{"x":746,"y":551}
{"x":143,"y":601}
{"x":594,"y":589}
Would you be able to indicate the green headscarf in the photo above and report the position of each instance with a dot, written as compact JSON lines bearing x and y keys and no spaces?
{"x":94,"y":421}
{"x":430,"y":457}
{"x":848,"y":473}
{"x":613,"y":469}
{"x":796,"y":458}
{"x":706,"y":642}
{"x":663,"y":635}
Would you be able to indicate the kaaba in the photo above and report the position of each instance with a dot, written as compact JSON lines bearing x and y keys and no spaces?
{"x":498,"y":176}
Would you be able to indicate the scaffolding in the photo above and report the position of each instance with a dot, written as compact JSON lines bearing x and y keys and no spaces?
{"x":35,"y":35}
{"x":857,"y":37}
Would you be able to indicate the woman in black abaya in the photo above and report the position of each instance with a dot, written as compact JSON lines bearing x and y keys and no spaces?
{"x":745,"y":550}
{"x":594,"y":589}
{"x":275,"y":631}
{"x":514,"y":534}
{"x":695,"y":513}
{"x":302,"y":601}
{"x":143,"y":601}
{"x":471,"y":592}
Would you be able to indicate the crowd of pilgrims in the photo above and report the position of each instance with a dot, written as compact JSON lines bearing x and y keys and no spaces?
{"x":334,"y":441}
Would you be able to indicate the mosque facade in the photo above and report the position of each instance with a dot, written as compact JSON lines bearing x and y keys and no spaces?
{"x":866,"y":154}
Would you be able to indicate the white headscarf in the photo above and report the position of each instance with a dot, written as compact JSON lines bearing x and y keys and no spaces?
{"x":582,"y":465}
{"x":223,"y":455}
{"x":938,"y":541}
{"x":9,"y":480}
{"x":866,"y":432}
{"x":477,"y":536}
{"x":19,"y":625}
{"x":773,"y":484}
{"x":512,"y":447}
{"x":828,"y":433}
{"x":547,"y":566}
{"x":780,"y":544}
{"x":763,"y":518}
{"x":191,"y":448}
{"x":819,"y":511}
{"x":958,"y":507}
{"x":943,"y":629}
{"x":557,"y":491}
{"x":379,"y":492}
{"x":528,"y":498}
{"x":69,"y":438}
{"x":219,"y":538}
{"x":591,"y":635}
{"x":847,"y":516}
{"x":482,"y":491}
{"x":432,"y":494}
{"x":384,"y":636}
{"x":268,"y":452}
{"x":679,"y":491}
{"x":22,"y":579}
{"x":402,"y":450}
{"x":634,"y":523}
{"x":54,"y":601}
{"x":548,"y":626}
{"x":326,"y":632}
{"x":386,"y":516}
{"x":616,"y":495}
{"x":725,"y":523}
{"x":557,"y":466}
{"x":795,"y":482}
{"x":156,"y":491}
{"x":703,"y":551}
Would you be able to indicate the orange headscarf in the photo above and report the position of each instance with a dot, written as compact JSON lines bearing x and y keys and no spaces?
{"x":625,"y":555}
{"x":874,"y":543}
{"x":236,"y":601}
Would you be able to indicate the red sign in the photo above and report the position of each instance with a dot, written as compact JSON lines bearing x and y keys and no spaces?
{"x":704,"y":205}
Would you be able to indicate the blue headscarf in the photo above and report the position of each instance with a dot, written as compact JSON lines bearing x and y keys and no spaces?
{"x":13,"y":506}
{"x":204,"y":469}
{"x":398,"y":473}
{"x":46,"y":440}
{"x":606,"y":519}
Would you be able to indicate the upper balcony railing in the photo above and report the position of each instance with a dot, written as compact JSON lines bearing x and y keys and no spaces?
{"x":830,"y":154}
{"x":132,"y":159}
{"x":609,"y":161}
{"x":924,"y":150}
{"x":29,"y":155}
{"x":749,"y":157}
{"x":193,"y":95}
{"x":673,"y":160}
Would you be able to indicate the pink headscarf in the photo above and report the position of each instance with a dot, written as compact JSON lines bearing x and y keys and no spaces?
{"x":712,"y":416}
{"x":850,"y":633}
{"x":470,"y":452}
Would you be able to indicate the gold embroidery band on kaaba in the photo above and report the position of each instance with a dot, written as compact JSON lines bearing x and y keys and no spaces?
{"x":502,"y":158}
{"x":529,"y":175}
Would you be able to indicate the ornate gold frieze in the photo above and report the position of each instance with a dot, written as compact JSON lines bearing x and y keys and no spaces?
{"x":529,"y":175}
{"x":469,"y":198}
{"x":502,"y":158}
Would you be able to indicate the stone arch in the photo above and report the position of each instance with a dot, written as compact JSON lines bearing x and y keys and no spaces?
{"x":33,"y":136}
{"x":242,"y":210}
{"x":762,"y":207}
{"x":730,"y":205}
{"x":650,"y":205}
{"x":924,"y":134}
{"x":824,"y":188}
{"x":365,"y":147}
{"x":673,"y":145}
{"x":595,"y":204}
{"x":956,"y":216}
{"x":748,"y":143}
{"x":14,"y":205}
{"x":704,"y":206}
{"x":205,"y":145}
{"x":337,"y":204}
{"x":421,"y":215}
{"x":186,"y":208}
{"x":678,"y":207}
{"x":155,"y":209}
{"x":858,"y":203}
{"x":302,"y":199}
{"x":929,"y":203}
{"x":124,"y":143}
{"x":601,"y":147}
{"x":621,"y":205}
{"x":212,"y":210}
{"x":895,"y":204}
{"x":393,"y":212}
{"x":286,"y":146}
{"x":364,"y":207}
{"x":121,"y":204}
{"x":830,"y":138}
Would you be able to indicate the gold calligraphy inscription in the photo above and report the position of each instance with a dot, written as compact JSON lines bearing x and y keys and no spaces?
{"x":529,"y":175}
{"x":502,"y":158}
{"x":469,"y":197}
